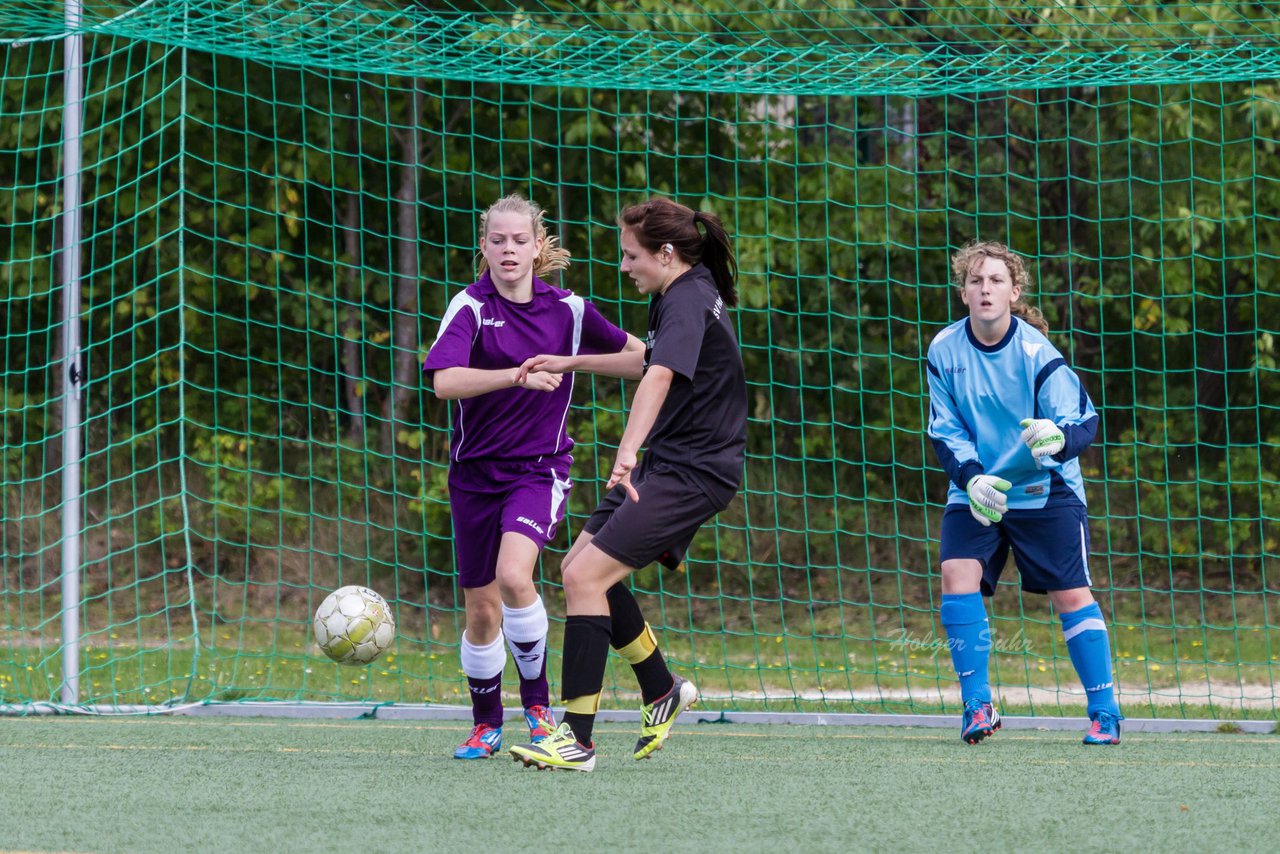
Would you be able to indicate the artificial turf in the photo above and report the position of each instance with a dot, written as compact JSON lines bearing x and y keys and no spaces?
{"x":199,"y":784}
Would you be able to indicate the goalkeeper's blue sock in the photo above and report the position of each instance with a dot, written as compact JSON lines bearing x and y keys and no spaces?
{"x":1085,"y":632}
{"x":964,"y":619}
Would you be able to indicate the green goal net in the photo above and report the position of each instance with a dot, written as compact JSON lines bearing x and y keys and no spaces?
{"x":281,"y":196}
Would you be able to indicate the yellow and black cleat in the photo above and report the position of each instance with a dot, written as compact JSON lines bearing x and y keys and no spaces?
{"x":560,"y":750}
{"x":657,"y":717}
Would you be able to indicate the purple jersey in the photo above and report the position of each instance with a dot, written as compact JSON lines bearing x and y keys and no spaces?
{"x":483,"y":329}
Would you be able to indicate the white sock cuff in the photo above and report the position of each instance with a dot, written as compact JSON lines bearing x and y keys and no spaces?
{"x":525,"y":624}
{"x":1090,"y":625}
{"x":484,"y":662}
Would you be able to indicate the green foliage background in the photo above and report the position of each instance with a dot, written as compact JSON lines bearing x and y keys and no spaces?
{"x":269,"y":248}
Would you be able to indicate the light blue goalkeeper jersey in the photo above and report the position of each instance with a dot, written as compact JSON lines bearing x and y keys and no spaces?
{"x":979,"y":393}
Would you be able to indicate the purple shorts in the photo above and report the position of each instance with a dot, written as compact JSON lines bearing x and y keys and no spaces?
{"x":489,"y":498}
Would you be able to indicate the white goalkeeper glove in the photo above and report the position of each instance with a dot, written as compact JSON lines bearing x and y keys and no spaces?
{"x":1043,"y":437}
{"x":987,"y":501}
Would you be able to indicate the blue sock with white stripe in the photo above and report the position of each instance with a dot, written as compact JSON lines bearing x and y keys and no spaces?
{"x":1085,"y":632}
{"x":964,"y":619}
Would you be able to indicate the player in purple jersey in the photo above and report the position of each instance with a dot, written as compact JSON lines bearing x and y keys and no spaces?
{"x":510,"y":453}
{"x":1008,"y":419}
{"x":690,"y":411}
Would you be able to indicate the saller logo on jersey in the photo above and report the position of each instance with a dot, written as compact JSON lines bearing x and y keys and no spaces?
{"x":496,"y":324}
{"x":525,"y":520}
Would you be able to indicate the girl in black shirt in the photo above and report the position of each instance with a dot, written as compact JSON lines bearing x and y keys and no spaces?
{"x":690,"y":410}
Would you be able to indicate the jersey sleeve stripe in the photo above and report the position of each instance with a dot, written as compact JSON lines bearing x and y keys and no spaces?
{"x":575,"y":305}
{"x":459,"y":303}
{"x":1042,"y":376}
{"x":958,"y":472}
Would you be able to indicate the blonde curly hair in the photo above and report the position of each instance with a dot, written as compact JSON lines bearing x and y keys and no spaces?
{"x":975,"y":252}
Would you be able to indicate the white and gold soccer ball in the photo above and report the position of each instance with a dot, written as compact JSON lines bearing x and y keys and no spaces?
{"x":354,"y":625}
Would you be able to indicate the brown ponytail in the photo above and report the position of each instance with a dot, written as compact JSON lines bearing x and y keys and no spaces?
{"x":697,"y":237}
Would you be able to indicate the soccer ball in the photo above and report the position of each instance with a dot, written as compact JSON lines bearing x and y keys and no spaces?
{"x":354,"y":625}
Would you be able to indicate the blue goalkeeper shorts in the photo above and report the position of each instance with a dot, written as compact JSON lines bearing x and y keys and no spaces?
{"x":1050,"y":546}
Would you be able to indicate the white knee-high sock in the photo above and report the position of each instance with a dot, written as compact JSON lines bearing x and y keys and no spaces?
{"x":526,"y":631}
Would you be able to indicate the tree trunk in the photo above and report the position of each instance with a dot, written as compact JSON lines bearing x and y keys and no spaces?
{"x":405,"y":309}
{"x":351,"y":370}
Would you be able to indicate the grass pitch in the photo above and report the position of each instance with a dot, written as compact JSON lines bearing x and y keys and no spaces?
{"x":186,"y":784}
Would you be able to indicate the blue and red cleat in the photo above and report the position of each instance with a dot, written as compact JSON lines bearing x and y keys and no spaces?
{"x":980,"y":721}
{"x":483,"y":742}
{"x":541,"y":721}
{"x":1105,"y":729}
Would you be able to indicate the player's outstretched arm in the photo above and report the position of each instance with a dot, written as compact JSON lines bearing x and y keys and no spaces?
{"x":627,"y":364}
{"x":462,"y":383}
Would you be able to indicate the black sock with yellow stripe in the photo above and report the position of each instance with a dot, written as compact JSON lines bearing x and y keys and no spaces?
{"x":586,"y":652}
{"x":634,"y":640}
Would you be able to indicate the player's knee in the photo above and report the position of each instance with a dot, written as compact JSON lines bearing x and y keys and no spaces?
{"x":566,"y":565}
{"x":514,"y":578}
{"x":961,"y":576}
{"x":1066,"y":601}
{"x":483,"y":621}
{"x":577,"y":578}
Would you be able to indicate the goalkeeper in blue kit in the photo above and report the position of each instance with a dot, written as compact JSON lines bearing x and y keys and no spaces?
{"x":1009,"y":418}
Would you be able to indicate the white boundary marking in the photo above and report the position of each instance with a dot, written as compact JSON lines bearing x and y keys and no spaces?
{"x":419,"y":712}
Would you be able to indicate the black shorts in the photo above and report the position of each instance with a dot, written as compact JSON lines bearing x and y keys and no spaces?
{"x":661,"y":526}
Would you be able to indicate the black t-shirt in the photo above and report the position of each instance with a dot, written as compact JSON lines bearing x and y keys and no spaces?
{"x":702,"y":426}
